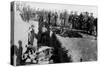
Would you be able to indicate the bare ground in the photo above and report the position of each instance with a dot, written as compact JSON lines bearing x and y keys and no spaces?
{"x":80,"y":48}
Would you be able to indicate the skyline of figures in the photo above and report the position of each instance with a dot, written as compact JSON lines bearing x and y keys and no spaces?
{"x":82,"y":21}
{"x":52,"y":36}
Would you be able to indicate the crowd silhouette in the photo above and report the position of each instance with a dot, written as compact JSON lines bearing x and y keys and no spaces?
{"x":84,"y":21}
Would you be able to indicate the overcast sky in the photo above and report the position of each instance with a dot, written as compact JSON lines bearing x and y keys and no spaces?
{"x":68,"y":7}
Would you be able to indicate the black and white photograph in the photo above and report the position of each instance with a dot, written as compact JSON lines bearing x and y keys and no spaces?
{"x":50,"y":33}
